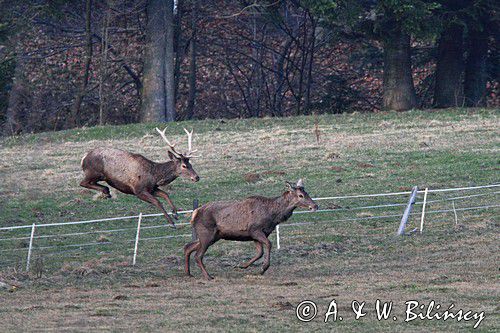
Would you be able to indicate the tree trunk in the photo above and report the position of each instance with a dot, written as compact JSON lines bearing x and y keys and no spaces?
{"x":399,"y":92}
{"x":18,"y":102}
{"x":192,"y":63}
{"x":475,"y":68}
{"x":311,"y":63}
{"x":178,"y":47}
{"x":449,"y":68}
{"x":153,"y":89}
{"x":170,"y":113}
{"x":253,"y":78}
{"x":104,"y":69}
{"x":75,"y":112}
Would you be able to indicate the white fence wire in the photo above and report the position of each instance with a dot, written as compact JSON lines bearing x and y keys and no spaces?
{"x":139,"y":238}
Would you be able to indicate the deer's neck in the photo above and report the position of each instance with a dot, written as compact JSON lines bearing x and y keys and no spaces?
{"x":283,"y":208}
{"x":165,"y":173}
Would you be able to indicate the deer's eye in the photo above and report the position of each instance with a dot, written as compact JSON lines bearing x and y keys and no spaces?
{"x":301,"y":196}
{"x":184,"y":166}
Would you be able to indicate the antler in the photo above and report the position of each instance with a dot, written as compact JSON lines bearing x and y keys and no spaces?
{"x":300,"y":183}
{"x":190,"y":143}
{"x":170,"y":145}
{"x":189,"y":153}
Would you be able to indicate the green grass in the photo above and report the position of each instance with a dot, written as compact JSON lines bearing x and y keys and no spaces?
{"x":353,"y":122}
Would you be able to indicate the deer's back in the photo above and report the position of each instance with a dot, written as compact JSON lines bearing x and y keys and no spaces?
{"x":236,"y":218}
{"x":118,"y":165}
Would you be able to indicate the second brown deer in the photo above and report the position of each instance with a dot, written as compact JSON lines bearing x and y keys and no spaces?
{"x":252,"y":219}
{"x":135,"y":174}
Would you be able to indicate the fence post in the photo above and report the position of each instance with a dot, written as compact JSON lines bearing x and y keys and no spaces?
{"x":137,"y":239}
{"x":193,"y":232}
{"x":423,"y":210}
{"x":278,"y":237}
{"x":407,"y":212}
{"x":455,"y":212}
{"x":30,"y":247}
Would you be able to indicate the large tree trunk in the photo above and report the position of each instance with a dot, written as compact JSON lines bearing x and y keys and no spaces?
{"x":475,"y":68}
{"x":153,"y":90}
{"x":192,"y":63}
{"x":170,"y":113}
{"x":449,"y":68}
{"x":75,"y":112}
{"x":399,"y":92}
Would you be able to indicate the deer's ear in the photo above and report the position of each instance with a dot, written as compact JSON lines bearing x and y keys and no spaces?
{"x":171,"y":156}
{"x":289,"y":186}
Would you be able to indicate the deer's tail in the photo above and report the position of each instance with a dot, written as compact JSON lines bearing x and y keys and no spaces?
{"x":193,"y":216}
{"x":83,"y":158}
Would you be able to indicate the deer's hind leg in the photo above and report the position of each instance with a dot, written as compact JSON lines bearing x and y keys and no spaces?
{"x":206,"y":237}
{"x":260,"y":252}
{"x":90,"y":181}
{"x":200,"y":252}
{"x":188,"y":249}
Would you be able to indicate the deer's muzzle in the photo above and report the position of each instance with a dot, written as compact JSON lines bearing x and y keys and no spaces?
{"x":313,"y":207}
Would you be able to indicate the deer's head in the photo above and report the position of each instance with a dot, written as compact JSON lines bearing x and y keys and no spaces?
{"x":299,"y":196}
{"x":181,"y":161}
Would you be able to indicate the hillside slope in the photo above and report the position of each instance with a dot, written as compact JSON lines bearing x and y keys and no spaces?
{"x":357,"y":153}
{"x":347,"y":252}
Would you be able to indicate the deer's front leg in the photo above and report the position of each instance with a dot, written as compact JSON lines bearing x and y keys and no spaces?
{"x":164,"y":195}
{"x":260,"y":252}
{"x":148,"y":197}
{"x":260,"y":237}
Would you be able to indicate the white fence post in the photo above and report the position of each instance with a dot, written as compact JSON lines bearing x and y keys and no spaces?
{"x":407,"y":212}
{"x":423,"y":210}
{"x":137,"y":238}
{"x":278,"y":237}
{"x":455,"y":212}
{"x":30,"y":247}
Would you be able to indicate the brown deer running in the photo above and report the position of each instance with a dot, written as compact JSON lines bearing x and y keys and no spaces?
{"x":251,"y":219}
{"x":134,"y":174}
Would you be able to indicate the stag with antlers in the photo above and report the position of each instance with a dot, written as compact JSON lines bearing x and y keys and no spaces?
{"x":135,"y":174}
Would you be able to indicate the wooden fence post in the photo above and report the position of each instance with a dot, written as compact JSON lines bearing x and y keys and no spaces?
{"x":193,"y":232}
{"x":407,"y":212}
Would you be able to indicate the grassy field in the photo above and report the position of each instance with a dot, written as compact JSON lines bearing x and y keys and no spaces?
{"x":349,"y":254}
